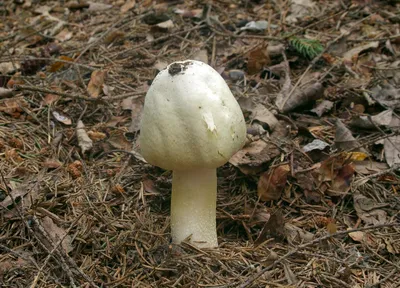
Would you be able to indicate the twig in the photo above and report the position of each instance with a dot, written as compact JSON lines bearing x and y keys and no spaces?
{"x":253,"y":278}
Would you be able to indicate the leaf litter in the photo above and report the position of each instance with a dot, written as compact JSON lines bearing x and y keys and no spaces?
{"x":313,"y":192}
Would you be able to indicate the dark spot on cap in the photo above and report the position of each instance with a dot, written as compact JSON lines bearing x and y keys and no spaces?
{"x":176,"y":68}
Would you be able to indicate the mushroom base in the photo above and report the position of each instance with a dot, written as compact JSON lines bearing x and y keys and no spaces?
{"x":193,"y":207}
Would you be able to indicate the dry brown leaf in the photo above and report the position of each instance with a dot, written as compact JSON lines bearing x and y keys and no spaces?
{"x":272,"y":183}
{"x":96,"y":136}
{"x":58,"y":65}
{"x":344,"y":139}
{"x":128,"y":5}
{"x":274,"y":228}
{"x":258,"y":59}
{"x":95,"y":86}
{"x":52,"y":163}
{"x":83,"y":139}
{"x":56,"y":233}
{"x":357,"y":236}
{"x":64,"y":35}
{"x":251,"y":158}
{"x":113,"y":36}
{"x":50,"y":98}
{"x":118,"y":140}
{"x":331,"y":227}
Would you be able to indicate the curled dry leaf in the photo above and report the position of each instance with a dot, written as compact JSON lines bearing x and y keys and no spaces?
{"x":271,"y":183}
{"x":96,"y":136}
{"x":296,"y":235}
{"x":84,"y":140}
{"x":95,"y":86}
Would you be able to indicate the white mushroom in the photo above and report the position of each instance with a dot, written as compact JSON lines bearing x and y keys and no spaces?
{"x":191,"y":124}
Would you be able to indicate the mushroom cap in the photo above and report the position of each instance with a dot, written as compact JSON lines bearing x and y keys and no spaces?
{"x":190,"y":119}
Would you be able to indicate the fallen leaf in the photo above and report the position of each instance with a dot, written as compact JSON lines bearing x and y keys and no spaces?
{"x":289,"y":275}
{"x":64,"y":35}
{"x":114,"y":36}
{"x":272,"y":183}
{"x":331,"y":227}
{"x":344,"y":139}
{"x":128,"y":5}
{"x":62,"y":118}
{"x":341,"y":183}
{"x":258,"y":59}
{"x":58,"y":65}
{"x":274,"y":228}
{"x":166,"y":24}
{"x":316,"y":144}
{"x":251,"y":157}
{"x":94,"y":6}
{"x":56,"y":233}
{"x":95,"y":86}
{"x":299,"y":97}
{"x":296,"y":235}
{"x":369,"y":167}
{"x":387,"y":95}
{"x":369,"y":210}
{"x":118,"y":140}
{"x":300,"y":9}
{"x":392,"y":150}
{"x":52,"y":163}
{"x":83,"y":139}
{"x":323,"y":107}
{"x":371,"y":122}
{"x":357,"y":236}
{"x":258,"y":112}
{"x":96,"y":136}
{"x":50,"y":99}
{"x":258,"y":26}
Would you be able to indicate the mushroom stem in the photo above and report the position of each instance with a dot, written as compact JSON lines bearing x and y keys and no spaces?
{"x":193,"y":207}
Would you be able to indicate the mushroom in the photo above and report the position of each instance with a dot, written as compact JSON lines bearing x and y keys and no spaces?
{"x":191,"y":124}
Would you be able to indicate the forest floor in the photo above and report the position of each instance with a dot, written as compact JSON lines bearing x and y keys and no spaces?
{"x":312,"y":200}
